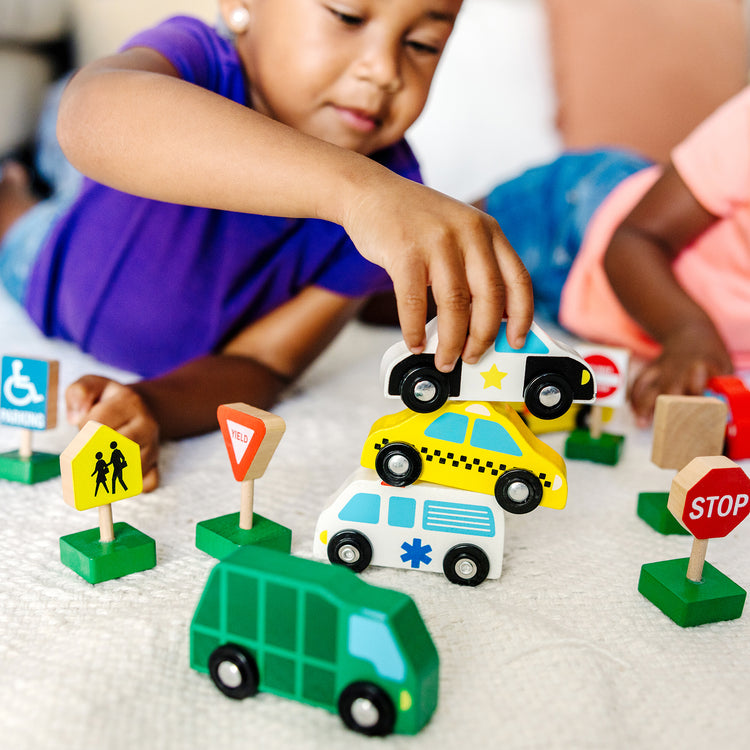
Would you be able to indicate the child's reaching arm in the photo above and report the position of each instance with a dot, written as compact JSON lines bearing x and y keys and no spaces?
{"x":638,"y":265}
{"x":254,"y":367}
{"x":128,"y":121}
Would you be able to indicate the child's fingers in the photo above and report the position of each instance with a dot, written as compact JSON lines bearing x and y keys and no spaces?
{"x":488,"y":294}
{"x":519,"y":297}
{"x":450,"y":288}
{"x":410,"y":287}
{"x":81,"y":396}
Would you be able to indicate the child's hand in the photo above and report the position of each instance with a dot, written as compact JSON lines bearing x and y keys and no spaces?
{"x":424,"y":238}
{"x":689,"y":358}
{"x":121,"y":408}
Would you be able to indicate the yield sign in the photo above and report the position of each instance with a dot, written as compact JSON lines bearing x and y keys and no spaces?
{"x":250,"y":436}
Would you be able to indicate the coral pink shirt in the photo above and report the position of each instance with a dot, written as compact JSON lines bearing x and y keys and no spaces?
{"x":714,"y":162}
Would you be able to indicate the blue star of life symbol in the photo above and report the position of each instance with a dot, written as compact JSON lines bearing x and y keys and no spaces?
{"x":416,"y":553}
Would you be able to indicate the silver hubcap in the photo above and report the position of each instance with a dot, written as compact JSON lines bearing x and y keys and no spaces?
{"x":425,"y":390}
{"x":348,"y":553}
{"x":518,"y":492}
{"x":398,"y":465}
{"x":550,"y":396}
{"x":365,"y":713}
{"x":466,"y":568}
{"x":229,"y":674}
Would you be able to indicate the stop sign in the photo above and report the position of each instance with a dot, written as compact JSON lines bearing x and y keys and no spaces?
{"x":710,"y":496}
{"x":610,"y":366}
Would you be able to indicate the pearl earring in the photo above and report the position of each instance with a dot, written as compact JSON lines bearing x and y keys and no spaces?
{"x":239,"y":20}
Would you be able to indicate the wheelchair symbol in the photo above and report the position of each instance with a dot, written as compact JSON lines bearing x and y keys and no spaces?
{"x":17,"y":382}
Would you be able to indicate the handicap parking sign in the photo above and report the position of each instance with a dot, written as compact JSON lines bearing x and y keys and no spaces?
{"x":28,"y":395}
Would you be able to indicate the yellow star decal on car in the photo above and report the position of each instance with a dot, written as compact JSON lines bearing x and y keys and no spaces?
{"x":493,"y":377}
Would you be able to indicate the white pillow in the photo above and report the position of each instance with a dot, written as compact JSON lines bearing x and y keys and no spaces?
{"x":491,"y":111}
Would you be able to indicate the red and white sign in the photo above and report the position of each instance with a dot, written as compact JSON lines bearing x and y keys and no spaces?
{"x":610,"y":366}
{"x":717,"y":502}
{"x":251,"y":436}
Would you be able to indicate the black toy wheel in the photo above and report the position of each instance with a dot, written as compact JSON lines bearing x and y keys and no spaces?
{"x":234,"y":671}
{"x":466,"y":565}
{"x":548,"y":396}
{"x":367,"y":709}
{"x":398,"y":464}
{"x":350,"y":549}
{"x":424,"y":389}
{"x":518,"y":491}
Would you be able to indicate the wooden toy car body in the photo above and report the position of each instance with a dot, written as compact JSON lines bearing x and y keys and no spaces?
{"x":477,"y":446}
{"x":547,"y":375}
{"x":423,"y":526}
{"x":318,"y":634}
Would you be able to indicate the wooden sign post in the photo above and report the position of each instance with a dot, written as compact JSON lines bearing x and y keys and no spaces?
{"x":610,"y":366}
{"x":710,"y":497}
{"x":251,"y":437}
{"x":99,"y":467}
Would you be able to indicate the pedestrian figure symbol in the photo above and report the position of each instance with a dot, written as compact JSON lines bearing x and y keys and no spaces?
{"x":101,"y":469}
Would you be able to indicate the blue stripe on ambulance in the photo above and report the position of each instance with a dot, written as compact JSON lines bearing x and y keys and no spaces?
{"x":457,"y":518}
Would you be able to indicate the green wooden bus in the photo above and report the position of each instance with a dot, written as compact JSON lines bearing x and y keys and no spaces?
{"x":316,"y":633}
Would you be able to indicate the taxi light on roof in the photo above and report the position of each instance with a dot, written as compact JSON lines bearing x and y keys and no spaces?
{"x":478,"y":409}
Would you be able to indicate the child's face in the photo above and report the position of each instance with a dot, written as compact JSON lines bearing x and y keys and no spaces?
{"x":355,"y":73}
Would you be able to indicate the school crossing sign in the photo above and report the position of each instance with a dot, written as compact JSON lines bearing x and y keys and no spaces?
{"x":28,"y":394}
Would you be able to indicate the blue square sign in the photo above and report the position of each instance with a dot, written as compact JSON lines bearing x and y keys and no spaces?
{"x":28,"y":397}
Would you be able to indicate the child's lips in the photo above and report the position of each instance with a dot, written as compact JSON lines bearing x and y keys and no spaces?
{"x":359,"y":119}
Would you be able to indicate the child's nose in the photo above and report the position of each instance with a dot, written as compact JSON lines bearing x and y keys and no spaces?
{"x":380,"y":65}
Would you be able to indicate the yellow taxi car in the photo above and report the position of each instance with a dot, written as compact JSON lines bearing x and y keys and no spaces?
{"x":479,"y":446}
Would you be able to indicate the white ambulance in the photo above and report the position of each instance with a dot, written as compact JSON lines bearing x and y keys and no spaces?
{"x":421,"y":527}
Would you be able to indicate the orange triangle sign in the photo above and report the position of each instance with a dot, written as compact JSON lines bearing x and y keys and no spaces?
{"x":250,"y":436}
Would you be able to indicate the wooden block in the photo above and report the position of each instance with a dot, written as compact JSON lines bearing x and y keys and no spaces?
{"x":686,"y":427}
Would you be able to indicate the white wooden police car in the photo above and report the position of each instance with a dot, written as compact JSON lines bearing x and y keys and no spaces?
{"x":545,"y":374}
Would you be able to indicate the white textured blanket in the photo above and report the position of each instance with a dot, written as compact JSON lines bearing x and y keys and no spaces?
{"x":560,"y":652}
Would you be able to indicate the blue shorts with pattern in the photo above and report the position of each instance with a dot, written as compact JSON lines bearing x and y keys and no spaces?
{"x":545,"y":211}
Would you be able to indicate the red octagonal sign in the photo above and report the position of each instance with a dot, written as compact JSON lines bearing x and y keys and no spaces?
{"x":714,"y":504}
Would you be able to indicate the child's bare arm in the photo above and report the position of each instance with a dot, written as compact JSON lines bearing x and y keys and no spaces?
{"x":253,"y":368}
{"x":130,"y":122}
{"x":638,"y":265}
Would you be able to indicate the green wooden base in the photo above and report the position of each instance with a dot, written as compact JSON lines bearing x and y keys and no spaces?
{"x":130,"y":552}
{"x":220,"y":536}
{"x":36,"y":468}
{"x":715,"y":599}
{"x":606,"y":449}
{"x":652,"y":508}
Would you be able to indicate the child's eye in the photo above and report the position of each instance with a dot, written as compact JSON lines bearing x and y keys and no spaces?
{"x":422,"y":47}
{"x":348,"y":19}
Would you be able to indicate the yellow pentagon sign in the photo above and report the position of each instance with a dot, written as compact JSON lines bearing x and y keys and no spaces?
{"x":99,"y":467}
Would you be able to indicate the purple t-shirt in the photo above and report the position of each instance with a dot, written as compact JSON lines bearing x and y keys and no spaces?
{"x":146,"y":286}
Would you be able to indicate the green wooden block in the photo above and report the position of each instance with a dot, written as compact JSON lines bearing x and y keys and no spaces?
{"x":96,"y":561}
{"x":652,"y":508}
{"x":715,"y":599}
{"x":221,"y":536}
{"x":37,"y":467}
{"x":606,"y":449}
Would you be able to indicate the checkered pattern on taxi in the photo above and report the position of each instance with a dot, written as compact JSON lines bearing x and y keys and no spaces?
{"x":458,"y":459}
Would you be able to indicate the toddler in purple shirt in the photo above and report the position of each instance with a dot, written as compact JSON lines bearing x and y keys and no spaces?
{"x":243,"y":197}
